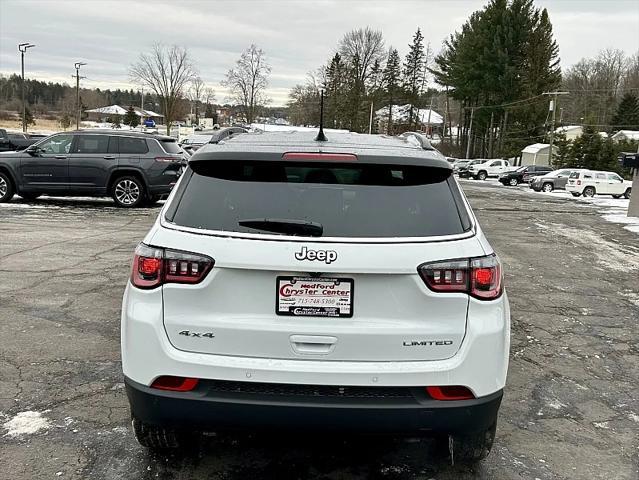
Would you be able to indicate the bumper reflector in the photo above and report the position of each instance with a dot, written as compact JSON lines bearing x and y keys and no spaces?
{"x":453,"y":392}
{"x":175,"y":384}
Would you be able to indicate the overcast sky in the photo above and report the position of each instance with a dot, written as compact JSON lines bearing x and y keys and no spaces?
{"x":297,"y":36}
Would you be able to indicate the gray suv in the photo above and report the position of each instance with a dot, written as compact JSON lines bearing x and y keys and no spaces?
{"x":134,"y":168}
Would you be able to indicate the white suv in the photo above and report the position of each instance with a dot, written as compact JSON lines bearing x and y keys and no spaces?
{"x":295,"y":284}
{"x":489,"y":168}
{"x":589,"y":183}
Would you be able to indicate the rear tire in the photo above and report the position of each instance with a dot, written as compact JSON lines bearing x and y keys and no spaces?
{"x":627,"y":193}
{"x":30,"y":197}
{"x":589,"y":192}
{"x":157,"y":438}
{"x":128,"y":192}
{"x":575,"y":194}
{"x":513,"y":182}
{"x":472,"y":448}
{"x":547,"y":187}
{"x":6,"y":188}
{"x":482,"y":175}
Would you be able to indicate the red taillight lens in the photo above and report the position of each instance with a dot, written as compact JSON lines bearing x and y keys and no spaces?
{"x":175,"y":384}
{"x":486,"y":277}
{"x":155,"y":266}
{"x":168,"y":159}
{"x":320,"y":157}
{"x":480,"y":277}
{"x":452,"y":392}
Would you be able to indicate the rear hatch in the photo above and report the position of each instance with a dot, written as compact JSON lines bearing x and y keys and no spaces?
{"x":317,"y":260}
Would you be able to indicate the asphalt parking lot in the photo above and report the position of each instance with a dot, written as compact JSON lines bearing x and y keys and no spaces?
{"x":570,"y":411}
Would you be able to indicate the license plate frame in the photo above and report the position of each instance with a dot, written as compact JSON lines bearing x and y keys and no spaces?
{"x":338,"y":309}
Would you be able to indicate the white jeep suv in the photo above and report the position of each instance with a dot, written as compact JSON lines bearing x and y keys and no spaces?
{"x":590,"y":183}
{"x":341,"y":285}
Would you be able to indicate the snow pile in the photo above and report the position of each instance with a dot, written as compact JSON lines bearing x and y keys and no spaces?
{"x":616,"y":211}
{"x":26,"y":423}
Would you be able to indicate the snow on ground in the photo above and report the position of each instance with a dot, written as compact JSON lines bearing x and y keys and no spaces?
{"x":26,"y":423}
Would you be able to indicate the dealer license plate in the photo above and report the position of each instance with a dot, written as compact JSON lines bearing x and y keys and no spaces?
{"x":314,"y":297}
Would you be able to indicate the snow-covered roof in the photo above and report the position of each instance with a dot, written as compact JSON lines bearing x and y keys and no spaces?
{"x":568,"y":128}
{"x":118,"y":110}
{"x":535,"y":148}
{"x":267,"y":127}
{"x":402,"y":113}
{"x":629,"y":134}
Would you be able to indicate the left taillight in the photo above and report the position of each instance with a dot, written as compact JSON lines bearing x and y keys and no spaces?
{"x":154,"y":266}
{"x":479,"y":277}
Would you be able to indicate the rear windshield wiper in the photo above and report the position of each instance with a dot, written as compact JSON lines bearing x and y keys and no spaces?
{"x":285,"y":226}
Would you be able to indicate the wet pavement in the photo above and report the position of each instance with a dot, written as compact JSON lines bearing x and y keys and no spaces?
{"x":571,"y":406}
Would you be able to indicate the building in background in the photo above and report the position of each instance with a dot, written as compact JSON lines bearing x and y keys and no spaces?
{"x":105,"y":114}
{"x":536,"y":154}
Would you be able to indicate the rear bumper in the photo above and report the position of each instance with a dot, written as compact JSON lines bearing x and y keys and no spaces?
{"x":210,"y":409}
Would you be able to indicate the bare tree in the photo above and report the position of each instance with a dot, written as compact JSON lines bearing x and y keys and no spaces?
{"x":248,"y":81}
{"x":196,"y":95}
{"x":361,"y":48}
{"x":167,"y":71}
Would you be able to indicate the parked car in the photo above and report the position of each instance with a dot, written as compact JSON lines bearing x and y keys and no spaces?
{"x":523,"y":174}
{"x":134,"y":168}
{"x":488,"y":168}
{"x":11,"y":142}
{"x":463,"y":170}
{"x":362,"y":296}
{"x":590,"y":183}
{"x":555,"y":180}
{"x":459,"y":163}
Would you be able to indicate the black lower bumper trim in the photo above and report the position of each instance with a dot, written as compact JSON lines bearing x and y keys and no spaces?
{"x":206,"y":409}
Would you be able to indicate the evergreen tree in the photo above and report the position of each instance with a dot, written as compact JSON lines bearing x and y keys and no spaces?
{"x":335,"y":92}
{"x":116,"y":121}
{"x":131,"y":118}
{"x":391,"y":84}
{"x":28,"y":115}
{"x":65,"y":121}
{"x":627,"y":115}
{"x":413,"y":72}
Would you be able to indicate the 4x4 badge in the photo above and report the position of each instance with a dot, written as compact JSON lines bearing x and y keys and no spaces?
{"x":327,"y":256}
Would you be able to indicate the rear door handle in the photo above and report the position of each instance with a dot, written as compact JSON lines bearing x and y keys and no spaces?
{"x":61,"y":157}
{"x":109,"y":157}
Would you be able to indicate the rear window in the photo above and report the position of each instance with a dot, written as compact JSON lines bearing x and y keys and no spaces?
{"x":133,"y":145}
{"x":362,"y":200}
{"x":170,"y":146}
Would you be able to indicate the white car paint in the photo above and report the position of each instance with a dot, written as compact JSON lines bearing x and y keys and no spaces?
{"x":603,"y":183}
{"x":492,"y":168}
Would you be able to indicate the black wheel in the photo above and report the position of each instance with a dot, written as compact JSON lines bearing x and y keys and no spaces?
{"x":128,"y":192}
{"x":6,"y":188}
{"x":575,"y":194}
{"x":29,"y":197}
{"x":547,"y":187}
{"x":513,"y":182}
{"x":626,"y":193}
{"x":482,"y":175}
{"x":471,"y":448}
{"x":589,"y":192}
{"x":157,"y":438}
{"x":616,"y":196}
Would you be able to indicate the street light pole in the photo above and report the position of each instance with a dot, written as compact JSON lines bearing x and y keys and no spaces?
{"x":23,"y":48}
{"x":553,"y":108}
{"x":77,"y":93}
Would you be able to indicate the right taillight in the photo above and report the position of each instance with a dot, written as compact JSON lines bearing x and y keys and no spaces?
{"x":155,"y":266}
{"x":480,"y":277}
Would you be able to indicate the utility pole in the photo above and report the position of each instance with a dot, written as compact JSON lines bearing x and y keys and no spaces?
{"x":633,"y":205}
{"x":77,"y":93}
{"x":370,"y":121}
{"x":470,"y":131}
{"x":430,"y":109}
{"x":553,"y":109}
{"x":23,"y":48}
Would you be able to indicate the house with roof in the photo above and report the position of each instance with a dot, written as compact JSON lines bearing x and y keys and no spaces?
{"x":571,"y":132}
{"x":622,"y":135}
{"x":427,"y":119}
{"x":105,"y":114}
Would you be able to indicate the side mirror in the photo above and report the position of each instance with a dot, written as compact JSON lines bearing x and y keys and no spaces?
{"x":32,"y":150}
